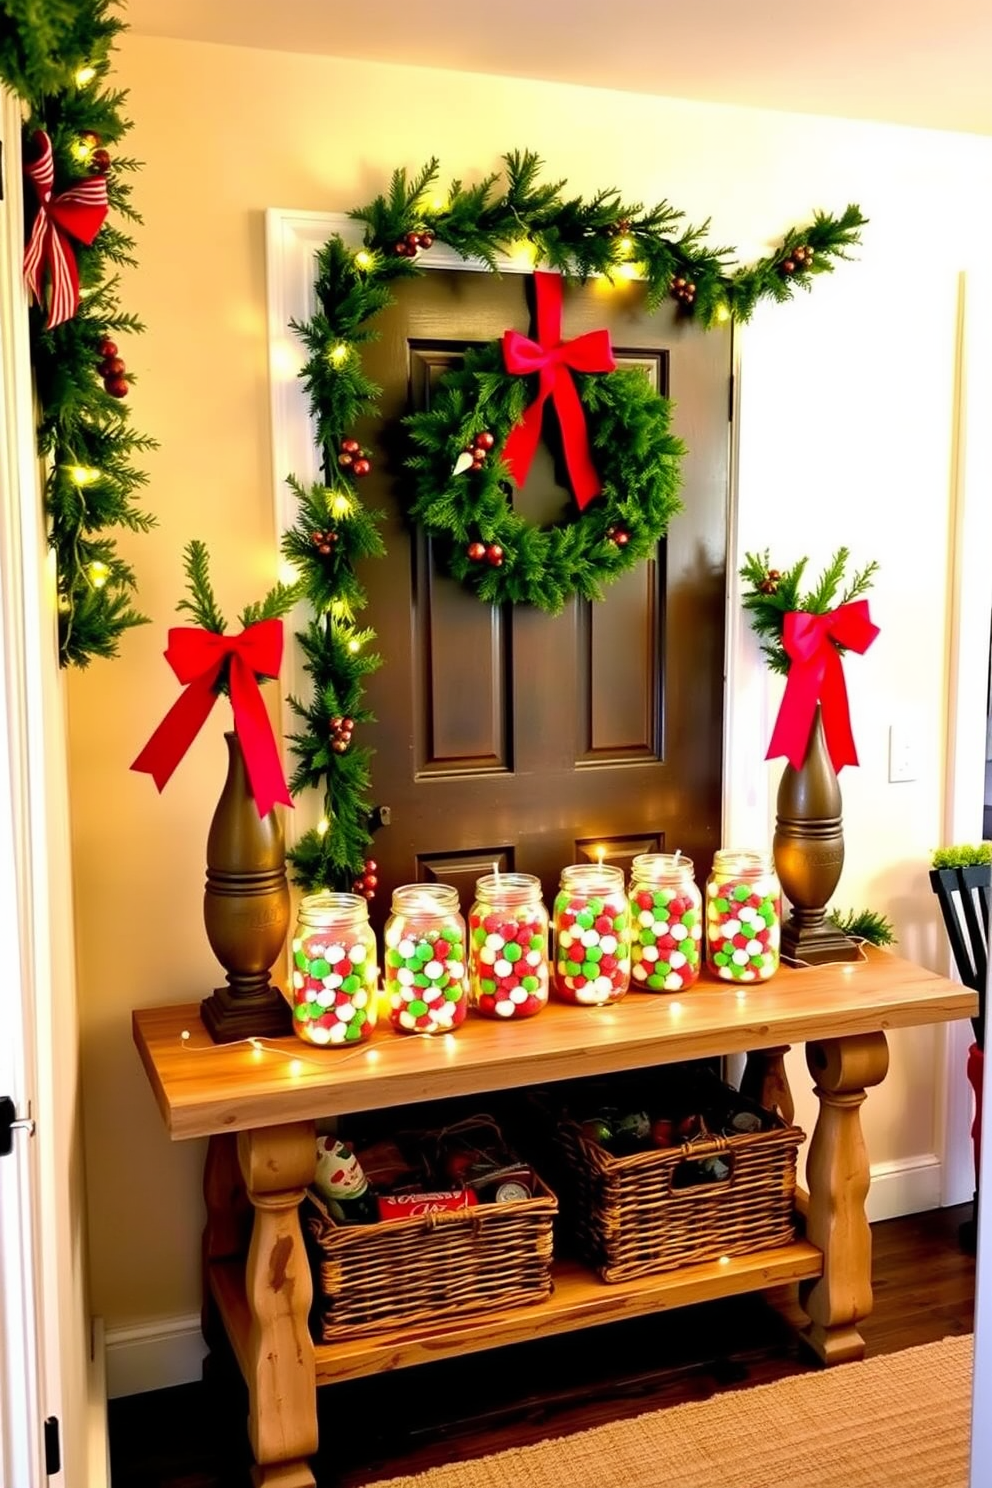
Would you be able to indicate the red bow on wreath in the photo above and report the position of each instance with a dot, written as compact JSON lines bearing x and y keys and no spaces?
{"x":551,"y":358}
{"x":80,"y":211}
{"x":197,"y":658}
{"x":817,"y":676}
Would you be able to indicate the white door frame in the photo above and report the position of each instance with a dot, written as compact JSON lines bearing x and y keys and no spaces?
{"x":21,"y":1332}
{"x":48,"y":1367}
{"x":970,"y":587}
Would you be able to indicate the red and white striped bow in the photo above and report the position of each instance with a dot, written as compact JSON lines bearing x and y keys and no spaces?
{"x":80,"y":211}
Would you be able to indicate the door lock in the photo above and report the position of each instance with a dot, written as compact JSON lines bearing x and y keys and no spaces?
{"x":11,"y":1122}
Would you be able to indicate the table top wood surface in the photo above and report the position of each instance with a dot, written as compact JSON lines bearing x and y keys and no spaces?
{"x":204,"y":1088}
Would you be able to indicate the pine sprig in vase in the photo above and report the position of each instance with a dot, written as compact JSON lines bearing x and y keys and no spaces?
{"x":773,"y":594}
{"x":201,"y":605}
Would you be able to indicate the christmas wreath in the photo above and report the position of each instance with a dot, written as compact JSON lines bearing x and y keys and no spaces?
{"x":477,"y":440}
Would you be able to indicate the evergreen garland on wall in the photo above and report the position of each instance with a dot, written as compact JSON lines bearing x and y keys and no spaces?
{"x":334,"y":531}
{"x":56,"y":58}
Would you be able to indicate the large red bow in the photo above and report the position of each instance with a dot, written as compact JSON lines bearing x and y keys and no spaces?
{"x":816,"y":676}
{"x":551,"y":358}
{"x":79,"y":211}
{"x":197,"y":657}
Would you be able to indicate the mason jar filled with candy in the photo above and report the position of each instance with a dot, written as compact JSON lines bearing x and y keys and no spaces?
{"x":743,"y":917}
{"x":335,"y":971}
{"x":508,"y":946}
{"x":666,"y":912}
{"x":592,"y":935}
{"x":426,"y":972}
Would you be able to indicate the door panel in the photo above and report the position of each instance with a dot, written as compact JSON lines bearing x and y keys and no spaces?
{"x":510,"y":736}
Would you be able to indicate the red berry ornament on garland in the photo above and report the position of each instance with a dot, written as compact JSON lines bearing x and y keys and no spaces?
{"x":367,"y":882}
{"x":683,"y":290}
{"x":340,"y":730}
{"x":111,"y":369}
{"x":618,"y":535}
{"x":100,"y":162}
{"x":352,"y":457}
{"x":799,"y":258}
{"x":407,"y":246}
{"x":494,"y":555}
{"x":476,"y":551}
{"x":324,"y":541}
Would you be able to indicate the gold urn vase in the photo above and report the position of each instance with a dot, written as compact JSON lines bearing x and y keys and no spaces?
{"x":809,"y":854}
{"x":245,"y":911}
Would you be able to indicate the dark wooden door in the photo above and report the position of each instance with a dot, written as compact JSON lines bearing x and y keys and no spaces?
{"x":509,"y":736}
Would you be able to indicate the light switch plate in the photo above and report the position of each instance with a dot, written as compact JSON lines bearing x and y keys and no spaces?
{"x":902,"y":753}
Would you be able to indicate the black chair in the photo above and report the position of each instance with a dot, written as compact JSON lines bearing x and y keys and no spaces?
{"x":963,"y":895}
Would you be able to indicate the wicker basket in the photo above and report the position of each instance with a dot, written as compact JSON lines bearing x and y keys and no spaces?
{"x":631,"y":1218}
{"x":411,"y":1271}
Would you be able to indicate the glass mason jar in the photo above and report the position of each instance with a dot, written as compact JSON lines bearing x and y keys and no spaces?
{"x":743,"y":917}
{"x":666,"y":912}
{"x":335,"y":972}
{"x":592,"y":935}
{"x":508,"y":946}
{"x":425,"y":973}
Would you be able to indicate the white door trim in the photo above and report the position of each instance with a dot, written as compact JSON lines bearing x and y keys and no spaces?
{"x":970,"y":587}
{"x":21,"y":1334}
{"x":56,"y":1367}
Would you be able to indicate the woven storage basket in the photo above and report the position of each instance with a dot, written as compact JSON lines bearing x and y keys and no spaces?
{"x":630,"y":1221}
{"x":410,"y":1271}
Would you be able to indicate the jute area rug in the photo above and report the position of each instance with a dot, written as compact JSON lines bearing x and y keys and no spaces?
{"x":898,"y":1421}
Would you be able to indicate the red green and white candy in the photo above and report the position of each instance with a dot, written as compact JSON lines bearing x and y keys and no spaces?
{"x":426,"y":977}
{"x":743,"y":929}
{"x":334,"y":987}
{"x":592,"y":948}
{"x":508,"y":962}
{"x":666,"y":939}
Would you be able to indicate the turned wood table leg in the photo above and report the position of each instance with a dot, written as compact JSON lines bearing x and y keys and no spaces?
{"x":277,"y":1163}
{"x":764,"y":1080}
{"x":838,"y":1177}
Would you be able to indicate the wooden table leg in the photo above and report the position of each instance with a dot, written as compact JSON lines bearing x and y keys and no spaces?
{"x":765,"y":1080}
{"x":838,"y":1177}
{"x":277,"y":1163}
{"x":228,"y":1226}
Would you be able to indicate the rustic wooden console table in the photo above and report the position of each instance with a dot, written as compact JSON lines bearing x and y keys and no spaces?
{"x":258,"y":1107}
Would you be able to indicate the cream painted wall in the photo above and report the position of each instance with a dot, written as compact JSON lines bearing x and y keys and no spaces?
{"x":847,"y":436}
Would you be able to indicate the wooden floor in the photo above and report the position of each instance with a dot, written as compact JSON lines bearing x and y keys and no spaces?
{"x":193,"y":1436}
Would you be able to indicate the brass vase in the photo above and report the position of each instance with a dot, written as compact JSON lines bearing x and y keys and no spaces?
{"x":245,"y":910}
{"x":809,"y":854}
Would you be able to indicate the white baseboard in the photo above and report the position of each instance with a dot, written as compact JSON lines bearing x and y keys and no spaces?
{"x":908,"y":1186}
{"x":154,"y":1356}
